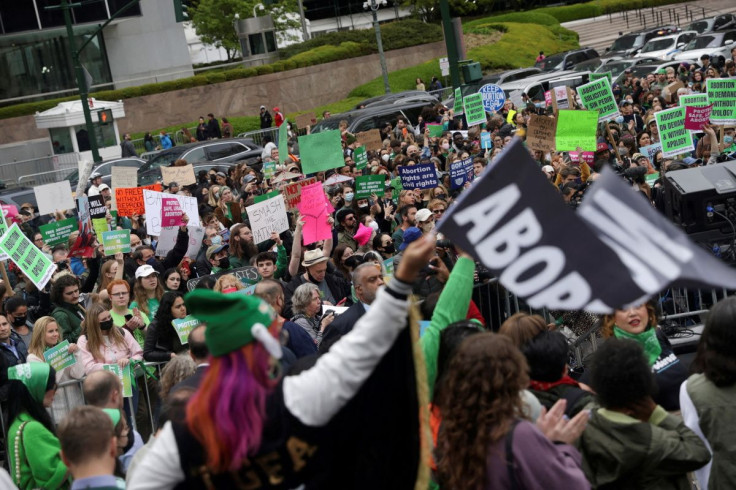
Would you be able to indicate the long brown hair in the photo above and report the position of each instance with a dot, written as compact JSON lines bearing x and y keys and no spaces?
{"x":522,"y":327}
{"x":141,"y":297}
{"x":104,"y":281}
{"x":608,"y":321}
{"x":480,"y":401}
{"x":240,"y":249}
{"x":91,"y":329}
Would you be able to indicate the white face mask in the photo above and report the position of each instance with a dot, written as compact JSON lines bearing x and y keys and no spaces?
{"x":374,"y":226}
{"x":384,"y":158}
{"x":427,"y":227}
{"x":216,"y":240}
{"x":146,"y":241}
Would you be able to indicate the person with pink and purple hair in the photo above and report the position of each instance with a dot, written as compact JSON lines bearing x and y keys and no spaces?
{"x":325,"y":427}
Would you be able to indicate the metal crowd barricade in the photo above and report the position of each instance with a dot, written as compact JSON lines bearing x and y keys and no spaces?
{"x":258,"y":135}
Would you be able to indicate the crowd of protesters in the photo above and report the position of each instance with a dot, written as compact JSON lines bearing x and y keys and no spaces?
{"x":276,"y":389}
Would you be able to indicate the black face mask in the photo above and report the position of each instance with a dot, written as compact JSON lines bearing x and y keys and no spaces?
{"x":312,"y":279}
{"x":389,"y":249}
{"x":223,"y":263}
{"x":19,"y":321}
{"x":106,"y":325}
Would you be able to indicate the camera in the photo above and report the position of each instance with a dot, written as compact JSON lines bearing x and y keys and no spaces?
{"x":635,"y":174}
{"x":445,"y":243}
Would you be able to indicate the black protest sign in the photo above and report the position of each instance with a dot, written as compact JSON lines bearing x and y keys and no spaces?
{"x":247,"y":275}
{"x":97,"y":208}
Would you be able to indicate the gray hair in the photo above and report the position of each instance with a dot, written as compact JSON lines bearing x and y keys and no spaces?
{"x":302,"y":297}
{"x":357,"y":273}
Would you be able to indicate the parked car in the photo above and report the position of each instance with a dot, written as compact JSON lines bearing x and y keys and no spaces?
{"x":535,"y":87}
{"x":566,"y":60}
{"x":407,"y":96}
{"x":373,"y":117}
{"x":630,"y":44}
{"x":640,"y":71}
{"x":19,"y":195}
{"x":105,"y":170}
{"x":713,"y":44}
{"x":617,"y":67}
{"x":716,"y":23}
{"x":666,"y":47}
{"x":509,"y":76}
{"x":207,"y":151}
{"x":152,"y":175}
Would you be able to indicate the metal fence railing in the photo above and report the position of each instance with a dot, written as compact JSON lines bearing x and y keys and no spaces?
{"x":258,"y":135}
{"x":36,"y":171}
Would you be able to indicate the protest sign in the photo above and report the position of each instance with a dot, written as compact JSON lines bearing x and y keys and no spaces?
{"x":29,"y":259}
{"x":722,"y":95}
{"x":388,"y":266}
{"x":10,"y":212}
{"x":671,"y":90}
{"x":675,"y":139}
{"x":548,"y":98}
{"x":306,"y":119}
{"x":83,"y":213}
{"x":313,"y":208}
{"x":123,"y":177}
{"x":183,"y":175}
{"x":540,"y":133}
{"x":361,"y":158}
{"x":321,"y":151}
{"x":475,"y":113}
{"x":457,"y":107}
{"x":152,"y":205}
{"x":435,"y":130}
{"x":517,"y":226}
{"x":365,"y":185}
{"x":651,"y":150}
{"x":576,"y":129}
{"x":588,"y":157}
{"x":651,"y":179}
{"x":171,"y":212}
{"x":293,"y":192}
{"x":54,"y":197}
{"x":247,"y":275}
{"x":267,"y":217}
{"x":370,"y":139}
{"x":461,"y":171}
{"x":116,"y":241}
{"x":125,"y":378}
{"x":597,"y":76}
{"x":418,"y":176}
{"x":283,"y":145}
{"x":97,"y":208}
{"x":58,"y":232}
{"x":597,"y":96}
{"x":167,"y":241}
{"x":697,"y":117}
{"x":560,"y":101}
{"x":485,"y":140}
{"x":99,"y":225}
{"x":269,"y":169}
{"x":59,"y":356}
{"x":130,"y":199}
{"x":184,"y":327}
{"x":268,"y":195}
{"x":694,"y":100}
{"x":493,"y":97}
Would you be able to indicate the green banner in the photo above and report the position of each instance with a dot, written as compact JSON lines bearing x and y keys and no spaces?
{"x":58,"y":232}
{"x":321,"y":151}
{"x":34,"y":263}
{"x":59,"y":356}
{"x":365,"y":185}
{"x":263,"y":197}
{"x":116,"y":241}
{"x":576,"y":129}
{"x":124,"y":375}
{"x":458,"y":107}
{"x":184,"y":327}
{"x":598,"y":76}
{"x":722,"y":94}
{"x":651,"y":178}
{"x":361,"y":157}
{"x":694,"y":100}
{"x":475,"y":113}
{"x":597,"y":96}
{"x":283,"y":142}
{"x":675,"y":139}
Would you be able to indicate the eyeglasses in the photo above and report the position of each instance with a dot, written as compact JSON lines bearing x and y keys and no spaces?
{"x":438,"y":211}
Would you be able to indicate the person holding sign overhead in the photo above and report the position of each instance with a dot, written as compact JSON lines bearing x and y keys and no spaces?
{"x":162,"y":342}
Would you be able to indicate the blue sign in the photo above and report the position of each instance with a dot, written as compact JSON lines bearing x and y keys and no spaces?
{"x":419,"y":176}
{"x":493,"y":97}
{"x":461,"y":172}
{"x":485,"y":140}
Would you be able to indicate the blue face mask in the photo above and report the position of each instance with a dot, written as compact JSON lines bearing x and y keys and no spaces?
{"x":216,"y":240}
{"x":728,"y":140}
{"x":151,"y":261}
{"x":620,"y":119}
{"x":539,"y":105}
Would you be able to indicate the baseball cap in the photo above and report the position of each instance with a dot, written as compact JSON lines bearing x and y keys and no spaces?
{"x":636,"y":156}
{"x":276,"y":109}
{"x":412,"y":233}
{"x":601,"y":147}
{"x":171,"y":184}
{"x":625,"y":102}
{"x":215,"y":249}
{"x":423,"y":215}
{"x":145,"y":271}
{"x":103,"y":187}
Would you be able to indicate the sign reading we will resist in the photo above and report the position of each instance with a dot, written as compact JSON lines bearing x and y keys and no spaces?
{"x":675,"y":139}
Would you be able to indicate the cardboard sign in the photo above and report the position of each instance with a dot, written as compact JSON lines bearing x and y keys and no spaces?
{"x":58,"y":232}
{"x":722,"y":95}
{"x":59,"y":356}
{"x":361,"y":157}
{"x":576,"y":129}
{"x":116,"y":241}
{"x":292,"y":192}
{"x":461,"y":172}
{"x":671,"y":90}
{"x":540,"y":133}
{"x":597,"y":96}
{"x":152,"y":205}
{"x":125,"y":177}
{"x":419,"y":176}
{"x":183,"y":175}
{"x":697,"y":117}
{"x":34,"y":263}
{"x":306,"y":119}
{"x":184,"y":327}
{"x":247,"y":275}
{"x":54,"y":197}
{"x":321,"y":151}
{"x":267,"y":217}
{"x":365,"y":185}
{"x":167,"y":241}
{"x":125,"y":377}
{"x":370,"y":139}
{"x":171,"y":212}
{"x":130,"y":199}
{"x":475,"y":113}
{"x":675,"y":139}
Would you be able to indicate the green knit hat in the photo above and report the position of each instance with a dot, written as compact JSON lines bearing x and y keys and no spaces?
{"x":35,"y":375}
{"x":233,"y":320}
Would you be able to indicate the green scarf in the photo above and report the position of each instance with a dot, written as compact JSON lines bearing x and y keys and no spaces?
{"x":35,"y":375}
{"x":647,"y":339}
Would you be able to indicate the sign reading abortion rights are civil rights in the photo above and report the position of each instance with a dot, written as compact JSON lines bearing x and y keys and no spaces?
{"x":419,"y":176}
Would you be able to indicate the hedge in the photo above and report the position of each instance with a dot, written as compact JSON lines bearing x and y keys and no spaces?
{"x":596,"y":8}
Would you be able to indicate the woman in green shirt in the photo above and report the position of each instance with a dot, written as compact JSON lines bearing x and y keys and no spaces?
{"x":132,"y":319}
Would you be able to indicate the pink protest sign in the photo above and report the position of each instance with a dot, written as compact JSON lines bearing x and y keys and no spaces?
{"x":10,"y":212}
{"x":313,"y":207}
{"x":696,"y":117}
{"x":588,"y":157}
{"x":548,"y":98}
{"x":170,"y":212}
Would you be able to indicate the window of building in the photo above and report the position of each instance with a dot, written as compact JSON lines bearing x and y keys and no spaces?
{"x":61,"y":140}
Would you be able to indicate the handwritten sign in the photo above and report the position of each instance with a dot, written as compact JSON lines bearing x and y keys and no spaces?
{"x":184,"y":327}
{"x":116,"y":241}
{"x":365,"y":185}
{"x":183,"y":175}
{"x":247,"y":275}
{"x":59,"y":356}
{"x":170,"y":212}
{"x":123,"y":177}
{"x":461,"y":172}
{"x":34,"y":263}
{"x":125,"y":378}
{"x":306,"y":119}
{"x":419,"y":176}
{"x":58,"y":232}
{"x":267,"y":217}
{"x":130,"y":199}
{"x":540,"y":133}
{"x":152,"y":206}
{"x":697,"y":117}
{"x":576,"y":129}
{"x":54,"y":197}
{"x":370,"y":139}
{"x":293,"y":192}
{"x":167,"y":241}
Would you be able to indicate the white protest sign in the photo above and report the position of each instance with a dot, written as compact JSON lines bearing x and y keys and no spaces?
{"x":266,"y":217}
{"x":123,"y":177}
{"x":152,"y":204}
{"x":167,"y":241}
{"x":54,"y":197}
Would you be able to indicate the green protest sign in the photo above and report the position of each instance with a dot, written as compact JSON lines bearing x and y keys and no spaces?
{"x":184,"y":326}
{"x":269,"y":169}
{"x":722,"y":94}
{"x":321,"y":151}
{"x":59,"y":356}
{"x":116,"y":241}
{"x":283,"y":142}
{"x":34,"y":264}
{"x":388,"y":264}
{"x":576,"y":129}
{"x":651,"y":178}
{"x":100,"y":226}
{"x":598,"y":76}
{"x":58,"y":232}
{"x":263,"y":197}
{"x":597,"y":96}
{"x":435,"y":130}
{"x":124,"y":375}
{"x":398,"y":187}
{"x":675,"y":139}
{"x":475,"y":113}
{"x":458,"y":107}
{"x":361,"y":158}
{"x":365,"y":185}
{"x":694,"y":100}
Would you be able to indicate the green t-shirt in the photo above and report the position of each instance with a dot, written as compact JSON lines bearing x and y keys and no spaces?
{"x":119,"y":320}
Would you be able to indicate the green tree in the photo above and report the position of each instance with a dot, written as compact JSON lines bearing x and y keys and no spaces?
{"x":429,"y":10}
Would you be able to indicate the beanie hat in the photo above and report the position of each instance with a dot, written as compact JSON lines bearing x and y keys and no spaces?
{"x":233,"y":321}
{"x":35,"y":375}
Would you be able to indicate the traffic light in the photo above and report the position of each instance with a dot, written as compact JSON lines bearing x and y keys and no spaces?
{"x":105,"y":116}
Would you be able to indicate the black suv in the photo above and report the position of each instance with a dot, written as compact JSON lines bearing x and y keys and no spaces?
{"x":566,"y":60}
{"x":373,"y":117}
{"x":229,"y":149}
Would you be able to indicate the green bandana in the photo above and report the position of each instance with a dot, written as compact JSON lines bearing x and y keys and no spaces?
{"x":647,"y":339}
{"x":35,"y":375}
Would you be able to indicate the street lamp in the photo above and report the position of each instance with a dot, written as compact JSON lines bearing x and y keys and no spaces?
{"x":374,"y":5}
{"x":258,"y":6}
